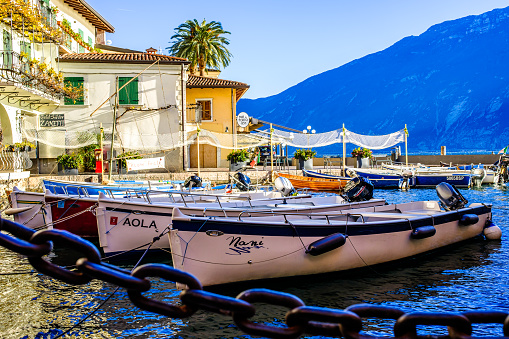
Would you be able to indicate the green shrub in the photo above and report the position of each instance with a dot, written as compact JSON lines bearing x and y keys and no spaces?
{"x":72,"y":160}
{"x":304,"y":154}
{"x":240,"y":155}
{"x":88,"y":155}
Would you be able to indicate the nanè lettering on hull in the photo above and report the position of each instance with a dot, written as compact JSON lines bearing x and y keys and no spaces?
{"x":238,"y":246}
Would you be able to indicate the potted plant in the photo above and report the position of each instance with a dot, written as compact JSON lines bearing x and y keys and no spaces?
{"x":70,"y":163}
{"x":238,"y":159}
{"x":363,"y":156}
{"x":304,"y":158}
{"x":122,"y":161}
{"x":24,"y":146}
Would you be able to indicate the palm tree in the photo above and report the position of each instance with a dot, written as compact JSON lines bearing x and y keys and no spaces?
{"x":201,"y":44}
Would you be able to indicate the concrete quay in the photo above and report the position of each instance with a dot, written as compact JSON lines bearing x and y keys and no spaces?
{"x":259,"y":174}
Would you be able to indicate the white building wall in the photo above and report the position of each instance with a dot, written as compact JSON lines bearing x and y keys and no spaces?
{"x":148,"y":124}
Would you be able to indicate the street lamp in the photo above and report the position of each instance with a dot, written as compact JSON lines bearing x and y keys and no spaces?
{"x":308,"y":130}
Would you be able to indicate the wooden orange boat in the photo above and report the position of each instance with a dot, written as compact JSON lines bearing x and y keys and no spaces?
{"x":315,"y":184}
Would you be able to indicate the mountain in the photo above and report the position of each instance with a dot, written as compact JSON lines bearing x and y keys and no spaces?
{"x":450,"y":85}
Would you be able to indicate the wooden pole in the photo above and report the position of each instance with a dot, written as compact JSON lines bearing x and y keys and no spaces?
{"x":271,"y":156}
{"x":113,"y":129}
{"x":406,"y":146}
{"x":344,"y":150}
{"x":101,"y":147}
{"x":198,"y":142}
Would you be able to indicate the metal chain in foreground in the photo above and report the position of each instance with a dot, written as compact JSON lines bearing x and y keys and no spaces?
{"x":300,"y":319}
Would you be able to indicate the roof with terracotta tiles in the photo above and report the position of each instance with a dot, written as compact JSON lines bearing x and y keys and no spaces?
{"x":82,"y":7}
{"x":146,"y":58}
{"x":195,"y":81}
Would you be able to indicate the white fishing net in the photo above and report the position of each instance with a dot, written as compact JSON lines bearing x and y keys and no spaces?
{"x":155,"y":131}
{"x":375,"y":141}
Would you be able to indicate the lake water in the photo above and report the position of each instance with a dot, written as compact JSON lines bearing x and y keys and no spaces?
{"x":469,"y":276}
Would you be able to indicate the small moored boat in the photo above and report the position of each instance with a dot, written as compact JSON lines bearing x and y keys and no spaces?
{"x":220,"y":250}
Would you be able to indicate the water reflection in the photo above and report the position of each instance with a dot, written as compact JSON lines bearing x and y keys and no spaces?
{"x":468,"y":276}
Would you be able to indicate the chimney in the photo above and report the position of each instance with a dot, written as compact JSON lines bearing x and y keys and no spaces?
{"x":151,"y":50}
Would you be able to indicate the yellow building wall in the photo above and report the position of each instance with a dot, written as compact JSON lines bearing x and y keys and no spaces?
{"x":222,"y":114}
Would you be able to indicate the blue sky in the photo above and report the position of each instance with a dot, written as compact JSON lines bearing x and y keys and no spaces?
{"x":277,"y":44}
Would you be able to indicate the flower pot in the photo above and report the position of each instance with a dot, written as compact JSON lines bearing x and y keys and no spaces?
{"x":362,"y":162}
{"x":305,"y":164}
{"x":235,"y":166}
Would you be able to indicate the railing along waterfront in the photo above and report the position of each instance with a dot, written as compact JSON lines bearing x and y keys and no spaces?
{"x":299,"y":320}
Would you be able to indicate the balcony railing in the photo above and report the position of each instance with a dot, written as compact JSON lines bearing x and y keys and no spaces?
{"x":14,"y":161}
{"x":18,"y":69}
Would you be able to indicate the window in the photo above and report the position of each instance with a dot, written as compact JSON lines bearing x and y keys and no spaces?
{"x":26,"y":49}
{"x":81,"y":49}
{"x":129,"y":94}
{"x":76,"y":82}
{"x":204,"y":109}
{"x":7,"y":50}
{"x":90,"y":42}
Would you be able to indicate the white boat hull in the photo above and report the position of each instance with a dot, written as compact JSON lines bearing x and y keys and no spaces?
{"x":124,"y":226}
{"x":216,"y":258}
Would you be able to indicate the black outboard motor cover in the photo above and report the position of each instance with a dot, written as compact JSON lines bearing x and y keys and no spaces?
{"x":193,"y":180}
{"x":358,"y":189}
{"x":243,"y":181}
{"x":450,"y":198}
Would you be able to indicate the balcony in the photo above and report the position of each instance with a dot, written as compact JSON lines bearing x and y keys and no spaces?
{"x":14,"y":164}
{"x":27,"y":84}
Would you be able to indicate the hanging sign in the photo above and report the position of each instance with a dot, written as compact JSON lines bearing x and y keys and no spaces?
{"x":51,"y":120}
{"x":243,"y":119}
{"x":141,"y":164}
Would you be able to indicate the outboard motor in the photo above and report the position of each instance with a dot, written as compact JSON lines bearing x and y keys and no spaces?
{"x":405,"y":182}
{"x":450,"y":198}
{"x":192,"y":181}
{"x":358,"y":189}
{"x":284,"y":186}
{"x":351,"y":173}
{"x":478,"y":175}
{"x":243,"y":181}
{"x":502,"y":173}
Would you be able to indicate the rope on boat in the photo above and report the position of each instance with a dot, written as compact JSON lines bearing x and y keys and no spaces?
{"x":187,"y":242}
{"x":165,"y":231}
{"x":91,"y":208}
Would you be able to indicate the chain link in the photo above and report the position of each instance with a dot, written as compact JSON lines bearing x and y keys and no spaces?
{"x":300,"y":319}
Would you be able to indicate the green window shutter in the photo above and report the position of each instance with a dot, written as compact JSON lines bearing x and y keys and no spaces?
{"x":90,"y":42}
{"x":26,"y":48}
{"x":81,"y":49}
{"x":7,"y":55}
{"x":75,"y":82}
{"x":129,"y":94}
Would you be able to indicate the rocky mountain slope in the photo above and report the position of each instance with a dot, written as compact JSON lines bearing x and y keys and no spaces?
{"x":450,"y":85}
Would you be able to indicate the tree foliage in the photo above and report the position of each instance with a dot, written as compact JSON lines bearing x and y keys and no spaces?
{"x":203,"y":44}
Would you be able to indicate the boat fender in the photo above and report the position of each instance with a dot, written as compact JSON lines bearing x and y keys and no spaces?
{"x":193,"y":180}
{"x":326,"y":244}
{"x":423,"y":232}
{"x":469,"y":219}
{"x":492,"y":231}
